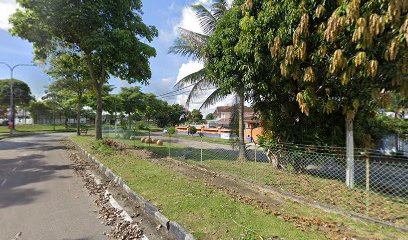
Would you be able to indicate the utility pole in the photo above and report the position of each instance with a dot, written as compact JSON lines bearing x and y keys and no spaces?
{"x":11,"y":123}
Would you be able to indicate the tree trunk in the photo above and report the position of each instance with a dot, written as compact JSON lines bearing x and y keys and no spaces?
{"x":273,"y":158}
{"x":397,"y":142}
{"x":78,"y":114}
{"x":66,"y":122}
{"x":53,"y":117}
{"x":350,"y":152}
{"x":98,"y":87}
{"x":98,"y":120}
{"x":116,"y":120}
{"x":129,"y":120}
{"x":241,"y":128}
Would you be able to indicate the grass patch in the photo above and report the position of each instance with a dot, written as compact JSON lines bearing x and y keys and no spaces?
{"x":328,"y":191}
{"x":208,"y":213}
{"x":332,"y":192}
{"x":37,"y":128}
{"x":205,"y":139}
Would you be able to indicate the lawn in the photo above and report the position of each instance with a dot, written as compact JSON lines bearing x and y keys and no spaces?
{"x":37,"y":128}
{"x":192,"y":203}
{"x":207,"y":212}
{"x":329,"y":191}
{"x":204,"y":138}
{"x":152,"y":127}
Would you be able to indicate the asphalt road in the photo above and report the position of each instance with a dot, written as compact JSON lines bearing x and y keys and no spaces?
{"x":40,"y":195}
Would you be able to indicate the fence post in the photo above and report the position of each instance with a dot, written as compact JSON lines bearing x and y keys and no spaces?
{"x":169,"y":145}
{"x":149,"y":139}
{"x":349,"y":153}
{"x":367,"y":174}
{"x":256,"y":148}
{"x":201,"y":146}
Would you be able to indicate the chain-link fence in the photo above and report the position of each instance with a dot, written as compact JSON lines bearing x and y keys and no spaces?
{"x":315,"y":173}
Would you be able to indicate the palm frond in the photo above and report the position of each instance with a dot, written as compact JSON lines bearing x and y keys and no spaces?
{"x":192,"y":78}
{"x":197,"y":90}
{"x":208,"y":22}
{"x":189,"y":44}
{"x":214,"y":97}
{"x":219,"y":8}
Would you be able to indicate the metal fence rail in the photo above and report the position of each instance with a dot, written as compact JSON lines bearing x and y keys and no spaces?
{"x":313,"y":172}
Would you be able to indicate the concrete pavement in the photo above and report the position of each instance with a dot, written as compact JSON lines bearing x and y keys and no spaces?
{"x":40,"y":195}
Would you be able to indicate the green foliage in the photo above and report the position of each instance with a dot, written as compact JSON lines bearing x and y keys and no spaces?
{"x":113,"y":103}
{"x":109,"y":35}
{"x":101,"y":147}
{"x":395,"y":102}
{"x":69,"y":72}
{"x":71,"y":82}
{"x":196,"y":116}
{"x":392,"y":125}
{"x":139,"y":105}
{"x":21,"y":91}
{"x":39,"y":110}
{"x":171,"y":130}
{"x":309,"y":65}
{"x":223,"y":65}
{"x":168,"y":115}
{"x":210,"y":116}
{"x":143,"y":126}
{"x":132,"y":100}
{"x":192,"y":130}
{"x":109,"y":26}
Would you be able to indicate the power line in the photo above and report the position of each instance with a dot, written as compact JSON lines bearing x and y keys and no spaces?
{"x":208,"y":89}
{"x":176,"y":94}
{"x":176,"y":90}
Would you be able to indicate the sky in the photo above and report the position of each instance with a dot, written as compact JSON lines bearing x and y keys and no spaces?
{"x":166,"y":15}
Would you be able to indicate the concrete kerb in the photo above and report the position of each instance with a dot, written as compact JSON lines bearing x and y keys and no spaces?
{"x":174,"y":228}
{"x":179,"y":232}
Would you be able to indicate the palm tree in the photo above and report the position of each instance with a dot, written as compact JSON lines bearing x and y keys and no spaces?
{"x":192,"y":44}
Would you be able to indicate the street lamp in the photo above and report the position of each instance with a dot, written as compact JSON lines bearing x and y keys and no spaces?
{"x":11,"y":117}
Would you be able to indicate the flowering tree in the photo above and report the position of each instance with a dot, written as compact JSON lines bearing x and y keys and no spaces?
{"x":331,"y":57}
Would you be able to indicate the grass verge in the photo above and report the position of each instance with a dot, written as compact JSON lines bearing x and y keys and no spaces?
{"x":205,"y":139}
{"x":329,"y":191}
{"x":211,"y":214}
{"x":37,"y":128}
{"x":207,"y":212}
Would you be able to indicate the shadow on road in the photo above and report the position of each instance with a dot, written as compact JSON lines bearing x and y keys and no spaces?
{"x":17,"y":173}
{"x":40,"y":144}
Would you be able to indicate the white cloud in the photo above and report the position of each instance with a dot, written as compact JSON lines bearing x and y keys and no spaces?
{"x":229,"y":2}
{"x":124,"y":84}
{"x":189,"y":68}
{"x":8,"y":7}
{"x":188,"y":21}
{"x":185,"y":70}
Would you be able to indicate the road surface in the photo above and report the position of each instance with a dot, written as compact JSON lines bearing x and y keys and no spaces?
{"x":40,"y":195}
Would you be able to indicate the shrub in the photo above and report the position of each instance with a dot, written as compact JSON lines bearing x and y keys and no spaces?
{"x":101,"y":147}
{"x":143,"y":126}
{"x":192,"y":130}
{"x":171,"y":130}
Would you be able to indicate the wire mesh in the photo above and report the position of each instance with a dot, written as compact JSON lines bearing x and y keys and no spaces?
{"x":316,"y":173}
